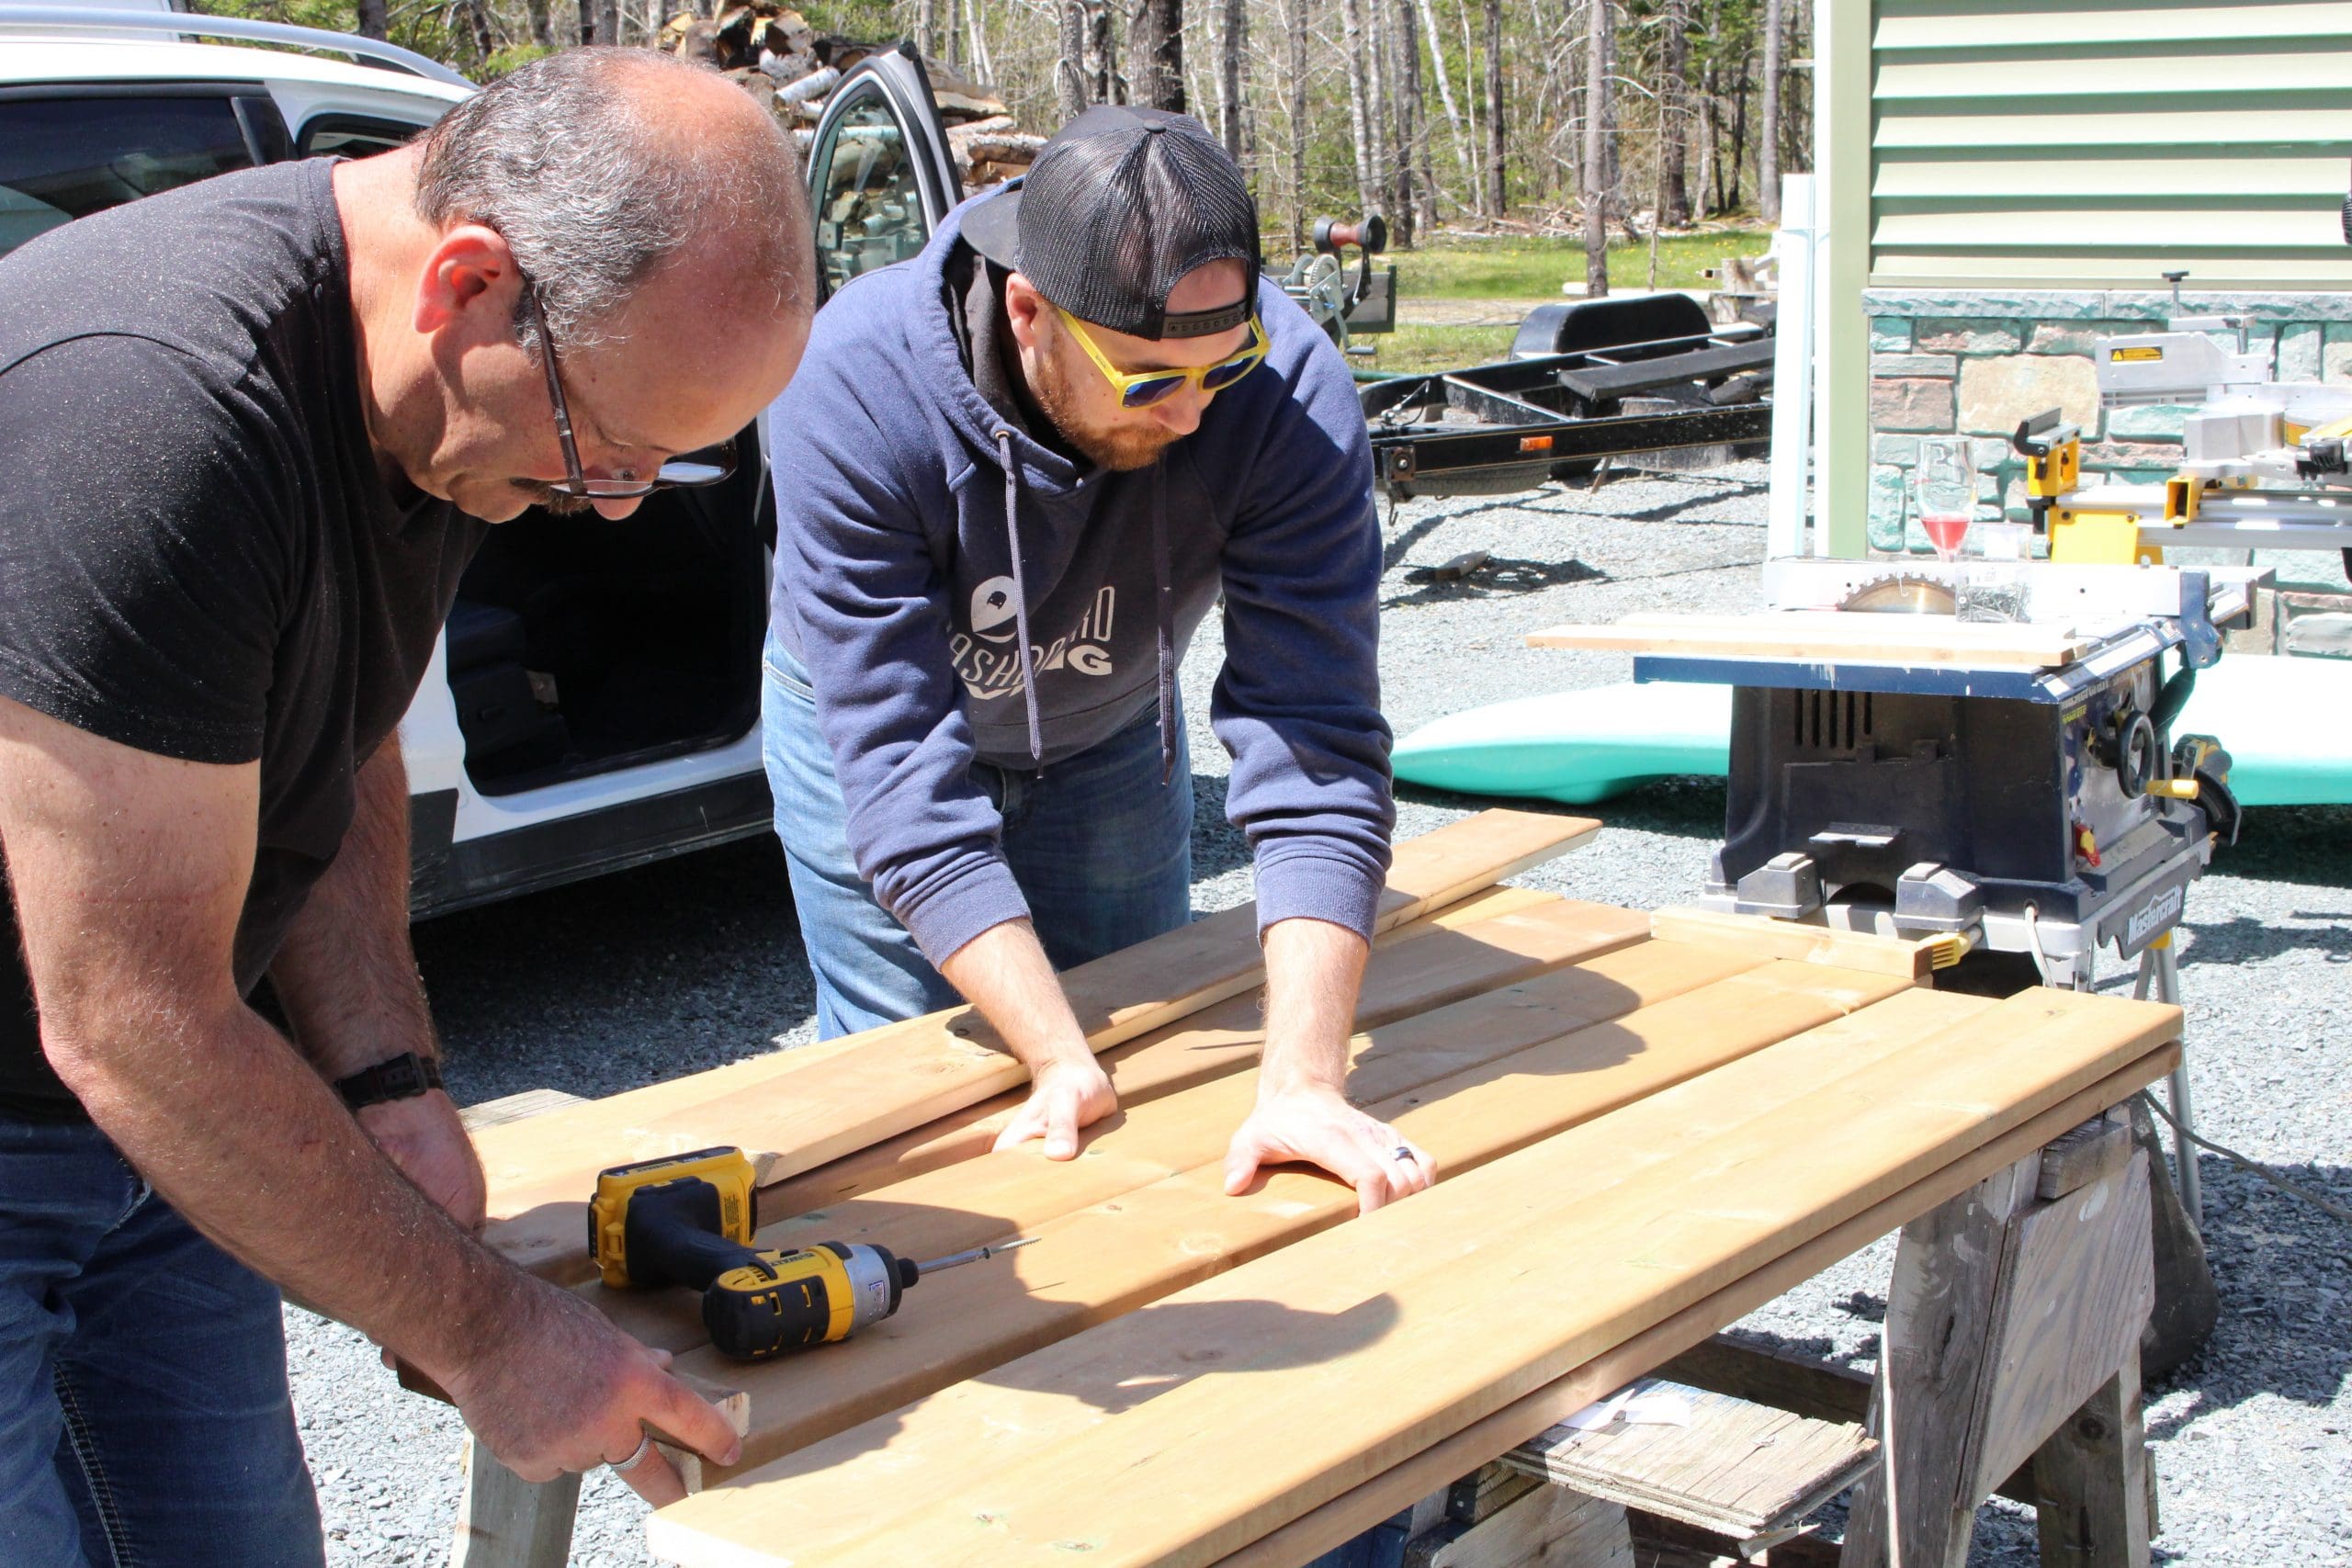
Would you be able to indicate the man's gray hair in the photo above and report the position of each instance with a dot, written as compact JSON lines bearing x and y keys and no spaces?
{"x":568,"y":158}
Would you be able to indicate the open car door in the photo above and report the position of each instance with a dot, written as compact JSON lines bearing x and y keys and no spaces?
{"x":880,"y":176}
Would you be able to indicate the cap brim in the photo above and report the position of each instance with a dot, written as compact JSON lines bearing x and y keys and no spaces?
{"x":993,"y":228}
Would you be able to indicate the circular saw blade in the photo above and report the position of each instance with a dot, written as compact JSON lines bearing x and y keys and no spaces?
{"x":1903,"y":594}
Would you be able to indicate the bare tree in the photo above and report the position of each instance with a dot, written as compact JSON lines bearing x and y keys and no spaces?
{"x":1416,"y":191}
{"x":1445,"y":97}
{"x":542,"y":25}
{"x":1709,"y":202}
{"x":1360,"y":124}
{"x":1104,"y":83}
{"x":1231,"y":46}
{"x":1597,"y":118}
{"x":1295,"y":32}
{"x":1070,"y":67}
{"x":1673,"y":115}
{"x":1156,"y":48}
{"x":1767,"y":147}
{"x":1497,"y":203}
{"x":480,"y":28}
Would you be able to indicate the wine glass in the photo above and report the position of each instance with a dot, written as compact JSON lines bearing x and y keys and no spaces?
{"x":1945,"y":485}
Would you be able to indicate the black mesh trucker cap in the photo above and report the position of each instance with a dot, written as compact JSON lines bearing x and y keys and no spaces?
{"x":1120,"y":204}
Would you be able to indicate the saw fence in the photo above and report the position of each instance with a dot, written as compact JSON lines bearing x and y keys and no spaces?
{"x":1644,"y":1129}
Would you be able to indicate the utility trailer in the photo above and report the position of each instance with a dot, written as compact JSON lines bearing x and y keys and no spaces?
{"x":1587,"y":383}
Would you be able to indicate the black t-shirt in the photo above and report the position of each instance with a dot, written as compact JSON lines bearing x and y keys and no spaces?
{"x":199,"y":555}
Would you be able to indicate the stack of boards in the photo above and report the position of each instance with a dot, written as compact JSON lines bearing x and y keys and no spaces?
{"x":1646,"y":1126}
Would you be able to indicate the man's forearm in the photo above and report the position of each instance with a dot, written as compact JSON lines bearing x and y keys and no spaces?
{"x":245,"y":1141}
{"x":1004,"y":972}
{"x":1314,"y":971}
{"x":345,"y":974}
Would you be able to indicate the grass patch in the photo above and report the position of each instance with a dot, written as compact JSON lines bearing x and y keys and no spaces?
{"x":1535,"y":269}
{"x":1410,"y":349}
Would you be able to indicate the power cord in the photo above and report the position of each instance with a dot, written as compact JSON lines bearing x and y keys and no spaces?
{"x":2325,"y":1205}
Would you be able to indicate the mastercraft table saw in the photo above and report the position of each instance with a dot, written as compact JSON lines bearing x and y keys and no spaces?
{"x":2013,"y":786}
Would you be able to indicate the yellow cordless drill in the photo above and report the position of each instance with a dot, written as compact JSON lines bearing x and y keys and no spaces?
{"x":688,"y":1219}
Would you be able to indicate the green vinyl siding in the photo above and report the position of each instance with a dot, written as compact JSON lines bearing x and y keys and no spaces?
{"x":2080,"y":144}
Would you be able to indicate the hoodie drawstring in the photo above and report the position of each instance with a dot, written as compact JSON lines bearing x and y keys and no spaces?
{"x":1166,"y":598}
{"x":1021,"y":592}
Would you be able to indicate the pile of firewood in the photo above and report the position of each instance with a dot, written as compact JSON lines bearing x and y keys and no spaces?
{"x":772,"y":53}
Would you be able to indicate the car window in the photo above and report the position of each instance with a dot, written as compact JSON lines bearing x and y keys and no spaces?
{"x":869,"y":209}
{"x":62,"y":158}
{"x":353,"y":136}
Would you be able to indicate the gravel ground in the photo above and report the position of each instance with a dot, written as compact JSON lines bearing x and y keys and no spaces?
{"x":684,"y":965}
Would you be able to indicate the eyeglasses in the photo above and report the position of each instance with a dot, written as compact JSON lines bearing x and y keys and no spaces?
{"x":1141,"y":389}
{"x":706,"y":467}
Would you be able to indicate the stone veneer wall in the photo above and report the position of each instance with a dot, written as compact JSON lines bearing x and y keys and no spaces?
{"x":1975,"y":362}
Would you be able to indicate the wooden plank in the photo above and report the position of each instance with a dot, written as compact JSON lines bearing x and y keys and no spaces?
{"x":1780,"y":1379}
{"x":796,"y":1116}
{"x":504,"y":1521}
{"x":1661,"y":1543}
{"x":1545,"y":1528}
{"x":1740,"y":1468}
{"x":944,"y":1207}
{"x":1487,"y":1491}
{"x":1097,"y":1262}
{"x":1828,"y":635}
{"x":1796,"y":940}
{"x":1512,"y":927}
{"x":2006,"y":1313}
{"x":1360,"y":1347}
{"x":2097,"y":1148}
{"x":515,"y":1108}
{"x":1349,"y":1514}
{"x":1218,"y":1039}
{"x":2098,"y":1488}
{"x":731,"y":1402}
{"x":2078,"y":1289}
{"x":1932,"y":1370}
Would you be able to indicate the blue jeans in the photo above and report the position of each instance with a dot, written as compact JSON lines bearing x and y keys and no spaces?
{"x":1102,"y":850}
{"x":144,"y":1417}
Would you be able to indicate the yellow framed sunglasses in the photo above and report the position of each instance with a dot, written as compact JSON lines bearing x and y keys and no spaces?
{"x":1141,"y":389}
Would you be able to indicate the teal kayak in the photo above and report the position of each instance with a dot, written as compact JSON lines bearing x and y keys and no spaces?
{"x":2284,"y":722}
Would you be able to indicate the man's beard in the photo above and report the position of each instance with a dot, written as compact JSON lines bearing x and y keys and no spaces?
{"x":1118,"y":447}
{"x":552,"y":501}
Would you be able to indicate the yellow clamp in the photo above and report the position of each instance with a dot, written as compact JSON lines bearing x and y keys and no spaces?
{"x":2173,"y":789}
{"x":1946,"y":950}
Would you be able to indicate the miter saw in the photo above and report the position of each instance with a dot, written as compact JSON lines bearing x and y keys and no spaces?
{"x":2265,"y":463}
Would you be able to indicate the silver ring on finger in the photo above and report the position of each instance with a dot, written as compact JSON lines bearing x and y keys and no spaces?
{"x":1402,"y":1151}
{"x":639,"y":1455}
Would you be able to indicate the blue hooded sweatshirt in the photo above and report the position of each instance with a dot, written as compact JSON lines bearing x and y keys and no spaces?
{"x":959,"y":590}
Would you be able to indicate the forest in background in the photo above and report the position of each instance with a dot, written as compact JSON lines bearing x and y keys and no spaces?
{"x":1593,"y":118}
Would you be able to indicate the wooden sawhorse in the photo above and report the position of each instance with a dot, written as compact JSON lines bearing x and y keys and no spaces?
{"x":2012,"y":1365}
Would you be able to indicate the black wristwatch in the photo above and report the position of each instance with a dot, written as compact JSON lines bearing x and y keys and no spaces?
{"x":405,"y":1077}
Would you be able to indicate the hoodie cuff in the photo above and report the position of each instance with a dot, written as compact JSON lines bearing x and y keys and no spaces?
{"x":945,"y":920}
{"x":1316,"y":888}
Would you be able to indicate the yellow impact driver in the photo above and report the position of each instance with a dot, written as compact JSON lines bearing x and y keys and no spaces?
{"x":688,"y":1219}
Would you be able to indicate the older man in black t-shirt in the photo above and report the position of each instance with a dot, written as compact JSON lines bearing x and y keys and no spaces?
{"x":249,"y":434}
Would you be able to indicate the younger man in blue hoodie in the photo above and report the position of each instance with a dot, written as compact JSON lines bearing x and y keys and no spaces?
{"x":1012,"y":476}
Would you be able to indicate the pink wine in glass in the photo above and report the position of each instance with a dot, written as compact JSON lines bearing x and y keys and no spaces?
{"x":1945,"y":532}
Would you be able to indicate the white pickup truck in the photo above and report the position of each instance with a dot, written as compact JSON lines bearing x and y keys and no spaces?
{"x":593,"y":701}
